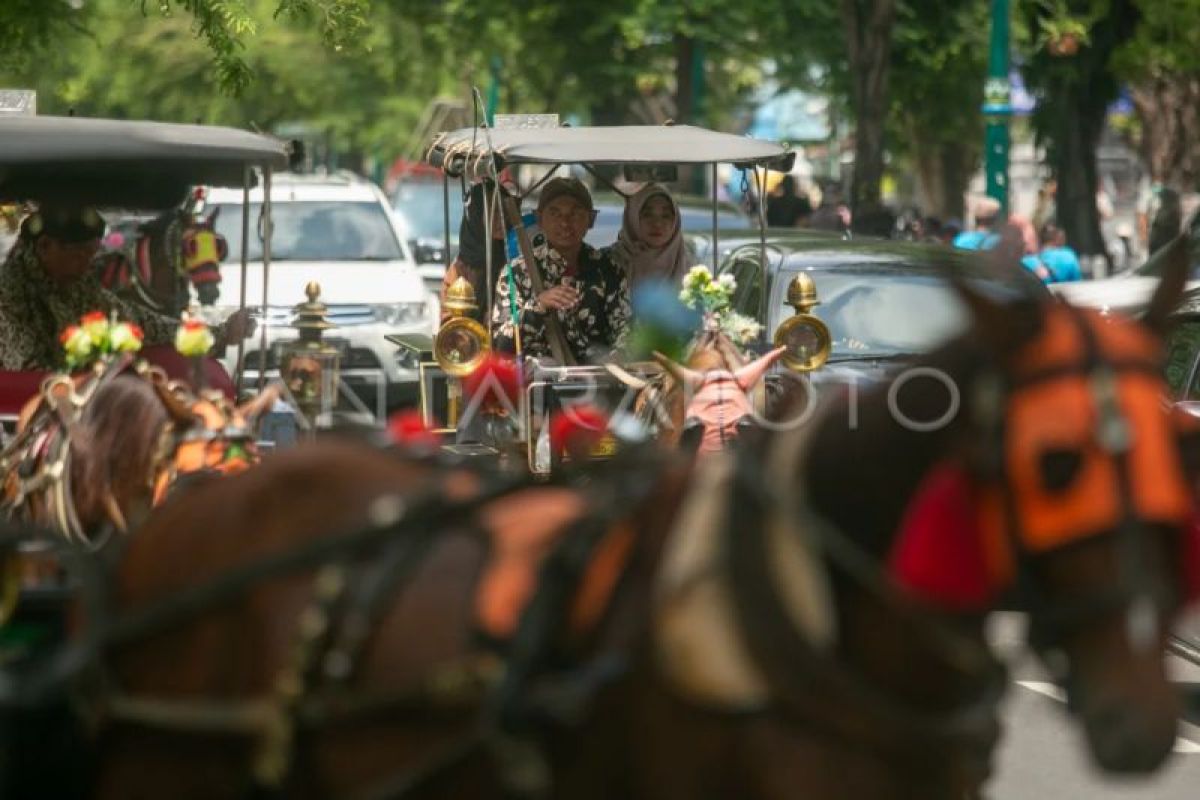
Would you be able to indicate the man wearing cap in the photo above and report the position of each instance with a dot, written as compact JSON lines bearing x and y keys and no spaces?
{"x":581,"y":286}
{"x":47,"y":283}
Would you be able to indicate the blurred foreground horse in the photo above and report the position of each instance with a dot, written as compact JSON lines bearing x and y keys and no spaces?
{"x":803,"y":621}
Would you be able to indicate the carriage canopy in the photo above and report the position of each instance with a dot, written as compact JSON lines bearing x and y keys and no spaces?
{"x":629,"y":144}
{"x":116,"y":163}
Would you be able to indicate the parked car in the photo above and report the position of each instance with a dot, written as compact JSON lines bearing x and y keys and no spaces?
{"x":420,"y":204}
{"x":1128,"y":292}
{"x":336,"y":230}
{"x":884,"y":302}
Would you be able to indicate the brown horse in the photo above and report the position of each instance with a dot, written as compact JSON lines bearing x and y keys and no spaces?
{"x":93,"y":453}
{"x":742,"y":671}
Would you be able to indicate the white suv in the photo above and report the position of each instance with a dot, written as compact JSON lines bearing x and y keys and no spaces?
{"x":336,"y":230}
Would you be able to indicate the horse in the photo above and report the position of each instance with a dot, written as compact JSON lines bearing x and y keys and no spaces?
{"x":94,"y":452}
{"x":751,"y":627}
{"x":706,"y":401}
{"x":170,"y":252}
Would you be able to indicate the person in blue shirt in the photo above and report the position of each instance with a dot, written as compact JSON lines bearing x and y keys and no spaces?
{"x":1055,"y":262}
{"x":985,"y":236}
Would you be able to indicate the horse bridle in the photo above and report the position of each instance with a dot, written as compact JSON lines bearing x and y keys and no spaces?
{"x":1136,"y":594}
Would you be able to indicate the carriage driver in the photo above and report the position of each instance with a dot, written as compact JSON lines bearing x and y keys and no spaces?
{"x":581,"y":285}
{"x":47,"y":283}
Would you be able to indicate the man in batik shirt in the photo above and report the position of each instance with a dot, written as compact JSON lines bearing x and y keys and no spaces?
{"x":47,"y":283}
{"x":580,"y":284}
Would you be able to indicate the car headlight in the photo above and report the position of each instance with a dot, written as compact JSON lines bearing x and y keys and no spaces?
{"x":400,"y":313}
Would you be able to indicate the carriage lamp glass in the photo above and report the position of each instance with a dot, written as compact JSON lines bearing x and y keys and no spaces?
{"x":400,"y":313}
{"x":309,"y":365}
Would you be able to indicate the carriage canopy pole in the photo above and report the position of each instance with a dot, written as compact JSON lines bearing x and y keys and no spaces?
{"x":266,"y":251}
{"x":761,"y":185}
{"x":247,"y":174}
{"x":446,"y":218}
{"x":715,"y":248}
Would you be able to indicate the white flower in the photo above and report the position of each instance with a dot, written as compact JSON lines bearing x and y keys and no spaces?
{"x":727,"y":282}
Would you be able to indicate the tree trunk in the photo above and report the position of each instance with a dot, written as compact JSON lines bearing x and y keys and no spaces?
{"x":867,"y":25}
{"x":943,"y":173}
{"x":685,"y":92}
{"x":1168,"y":108}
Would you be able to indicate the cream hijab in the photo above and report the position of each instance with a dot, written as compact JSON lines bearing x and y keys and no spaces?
{"x":641,"y":262}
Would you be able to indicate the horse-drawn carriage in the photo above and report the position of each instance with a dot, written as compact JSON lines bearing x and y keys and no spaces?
{"x":637,"y":154}
{"x":117,"y":167}
{"x":133,"y":167}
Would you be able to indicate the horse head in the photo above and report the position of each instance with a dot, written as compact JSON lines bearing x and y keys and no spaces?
{"x":203,"y":251}
{"x":1082,"y":504}
{"x":170,"y":251}
{"x":712,"y":394}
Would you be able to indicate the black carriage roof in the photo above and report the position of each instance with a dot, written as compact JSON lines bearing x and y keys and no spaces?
{"x":629,"y":144}
{"x":124,"y":163}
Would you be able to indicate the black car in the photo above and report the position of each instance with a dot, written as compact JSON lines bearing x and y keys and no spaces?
{"x":884,"y":302}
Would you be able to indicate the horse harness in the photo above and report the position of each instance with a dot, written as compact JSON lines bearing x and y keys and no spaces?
{"x":1135,"y":593}
{"x":37,"y":461}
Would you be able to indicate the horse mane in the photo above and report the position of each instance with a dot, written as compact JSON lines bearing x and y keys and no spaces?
{"x":870,"y":465}
{"x":116,"y":449}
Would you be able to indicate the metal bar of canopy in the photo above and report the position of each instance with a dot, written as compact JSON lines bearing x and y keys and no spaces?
{"x":446,"y":218}
{"x":715,"y":248}
{"x":761,"y":185}
{"x":247,"y":174}
{"x":267,"y":229}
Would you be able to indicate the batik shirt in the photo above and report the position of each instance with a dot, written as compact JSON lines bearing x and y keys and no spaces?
{"x":593,"y":328}
{"x":34,"y":310}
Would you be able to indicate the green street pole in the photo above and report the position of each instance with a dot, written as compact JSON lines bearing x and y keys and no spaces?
{"x":997,"y":94}
{"x":493,"y":98}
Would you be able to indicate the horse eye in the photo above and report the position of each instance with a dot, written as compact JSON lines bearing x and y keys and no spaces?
{"x":1059,"y":468}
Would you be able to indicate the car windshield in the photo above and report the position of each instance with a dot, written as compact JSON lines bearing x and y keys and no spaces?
{"x":884,"y":312}
{"x":608,"y":222}
{"x":421,"y":206}
{"x":314,"y":231}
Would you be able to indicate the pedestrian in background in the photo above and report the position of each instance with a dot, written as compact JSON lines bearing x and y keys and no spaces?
{"x":785,"y":209}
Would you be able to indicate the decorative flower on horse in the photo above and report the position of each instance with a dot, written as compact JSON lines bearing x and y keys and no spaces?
{"x":98,"y":336}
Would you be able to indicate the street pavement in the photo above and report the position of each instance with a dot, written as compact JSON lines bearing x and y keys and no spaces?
{"x":1043,"y":755}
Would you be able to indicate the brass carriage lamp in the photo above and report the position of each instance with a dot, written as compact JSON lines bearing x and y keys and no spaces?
{"x":309,"y":365}
{"x":805,"y":336}
{"x":461,"y":344}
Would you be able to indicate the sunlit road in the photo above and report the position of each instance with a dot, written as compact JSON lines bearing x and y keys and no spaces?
{"x":1043,"y":756}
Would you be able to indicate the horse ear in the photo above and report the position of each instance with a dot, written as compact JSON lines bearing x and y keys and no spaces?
{"x":179,"y":413}
{"x":752,"y":373}
{"x":211,"y":221}
{"x":1176,"y":258}
{"x":685,"y":376}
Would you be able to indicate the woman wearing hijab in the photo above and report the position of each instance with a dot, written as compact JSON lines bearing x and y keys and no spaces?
{"x":650,"y":247}
{"x":473,"y":245}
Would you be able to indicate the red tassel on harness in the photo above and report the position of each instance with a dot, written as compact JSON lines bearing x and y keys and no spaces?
{"x":577,"y":428}
{"x":409,"y":429}
{"x":939,"y":555}
{"x":497,"y":378}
